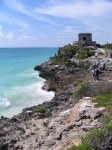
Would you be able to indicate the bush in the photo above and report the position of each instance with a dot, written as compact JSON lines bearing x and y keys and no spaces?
{"x":85,"y":53}
{"x":64,"y":53}
{"x":40,"y":109}
{"x":100,"y":53}
{"x":99,"y":46}
{"x":81,"y":55}
{"x":56,"y":60}
{"x":97,"y":138}
{"x":81,"y":90}
{"x":69,"y":51}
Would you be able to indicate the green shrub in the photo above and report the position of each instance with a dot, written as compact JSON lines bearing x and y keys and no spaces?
{"x":100,"y":53}
{"x":81,"y":55}
{"x":56,"y":60}
{"x":69,"y":51}
{"x":98,"y":45}
{"x":40,"y":109}
{"x":85,"y":53}
{"x":81,"y":89}
{"x":64,"y":53}
{"x":97,"y":137}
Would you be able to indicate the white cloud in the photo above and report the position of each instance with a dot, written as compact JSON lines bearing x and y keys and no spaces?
{"x":53,"y":1}
{"x":64,"y":20}
{"x":9,"y":36}
{"x":9,"y":19}
{"x":76,"y":9}
{"x":1,"y":34}
{"x":24,"y":37}
{"x":19,"y":7}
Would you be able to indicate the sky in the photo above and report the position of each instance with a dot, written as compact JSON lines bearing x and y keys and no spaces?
{"x":53,"y":23}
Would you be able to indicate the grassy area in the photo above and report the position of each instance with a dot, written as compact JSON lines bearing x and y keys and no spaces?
{"x":104,"y":100}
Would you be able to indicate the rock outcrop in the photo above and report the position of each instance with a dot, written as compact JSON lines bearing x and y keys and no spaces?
{"x":57,"y":132}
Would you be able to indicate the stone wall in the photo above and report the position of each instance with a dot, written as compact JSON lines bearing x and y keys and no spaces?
{"x":85,"y":37}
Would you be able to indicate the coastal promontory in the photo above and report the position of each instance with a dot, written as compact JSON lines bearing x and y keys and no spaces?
{"x":75,"y":109}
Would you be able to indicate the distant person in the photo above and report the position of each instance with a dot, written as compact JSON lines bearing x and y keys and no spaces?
{"x":93,"y":74}
{"x":97,"y":74}
{"x":96,"y":55}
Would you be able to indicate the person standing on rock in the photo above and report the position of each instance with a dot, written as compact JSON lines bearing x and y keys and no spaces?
{"x":93,"y":74}
{"x":97,"y":74}
{"x":96,"y":55}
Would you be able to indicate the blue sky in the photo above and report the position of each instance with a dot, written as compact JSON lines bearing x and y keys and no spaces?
{"x":50,"y":23}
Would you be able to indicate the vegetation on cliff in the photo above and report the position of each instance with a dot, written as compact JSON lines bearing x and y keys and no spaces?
{"x":101,"y":138}
{"x":70,"y":51}
{"x":108,"y":46}
{"x":81,"y":89}
{"x":40,"y":109}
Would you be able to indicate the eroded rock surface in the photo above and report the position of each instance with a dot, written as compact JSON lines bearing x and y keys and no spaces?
{"x":54,"y":133}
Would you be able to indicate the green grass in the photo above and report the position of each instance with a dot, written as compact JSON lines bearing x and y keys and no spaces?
{"x":104,"y":100}
{"x":40,"y":109}
{"x":83,"y":146}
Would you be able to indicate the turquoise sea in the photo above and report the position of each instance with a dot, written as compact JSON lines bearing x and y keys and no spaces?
{"x":20,"y":85}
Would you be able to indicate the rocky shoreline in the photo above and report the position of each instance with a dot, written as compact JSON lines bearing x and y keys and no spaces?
{"x":66,"y":119}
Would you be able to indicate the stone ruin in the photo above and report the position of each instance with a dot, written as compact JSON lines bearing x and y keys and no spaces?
{"x":86,"y":39}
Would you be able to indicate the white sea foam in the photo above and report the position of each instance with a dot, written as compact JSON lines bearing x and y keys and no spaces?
{"x":33,"y":92}
{"x":29,"y":73}
{"x":5,"y":102}
{"x":24,"y":96}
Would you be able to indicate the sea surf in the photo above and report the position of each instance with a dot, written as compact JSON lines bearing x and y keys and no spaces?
{"x":20,"y":85}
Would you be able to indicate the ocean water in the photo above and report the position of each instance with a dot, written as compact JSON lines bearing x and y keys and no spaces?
{"x":20,"y":85}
